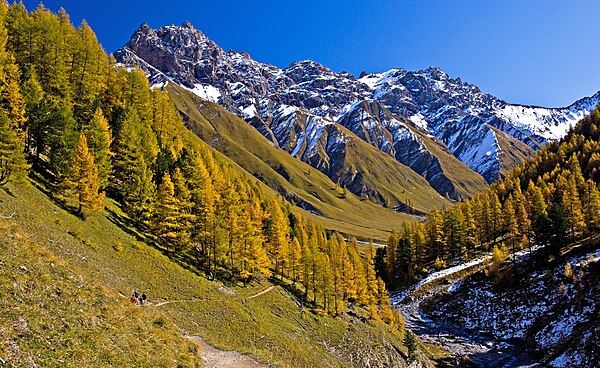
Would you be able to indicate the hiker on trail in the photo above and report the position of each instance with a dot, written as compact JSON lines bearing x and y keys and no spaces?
{"x":133,"y":299}
{"x":143,"y":299}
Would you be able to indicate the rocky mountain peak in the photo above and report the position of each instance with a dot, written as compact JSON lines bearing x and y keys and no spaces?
{"x":466,"y":120}
{"x":188,"y":25}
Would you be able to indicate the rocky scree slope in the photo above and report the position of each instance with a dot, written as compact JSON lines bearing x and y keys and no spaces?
{"x":551,"y":310}
{"x":447,"y":112}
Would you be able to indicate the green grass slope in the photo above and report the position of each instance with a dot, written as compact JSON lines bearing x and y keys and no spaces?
{"x":56,"y":313}
{"x":306,"y":186}
{"x":70,"y":305}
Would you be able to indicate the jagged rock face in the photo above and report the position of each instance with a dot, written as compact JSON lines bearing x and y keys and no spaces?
{"x":400,"y":138}
{"x":455,"y":112}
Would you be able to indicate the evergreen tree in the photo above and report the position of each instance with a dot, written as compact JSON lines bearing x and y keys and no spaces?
{"x":62,"y":138}
{"x":435,"y":233}
{"x":132,"y":176}
{"x":406,"y":254}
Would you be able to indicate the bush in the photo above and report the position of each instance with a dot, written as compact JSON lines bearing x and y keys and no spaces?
{"x":119,"y":247}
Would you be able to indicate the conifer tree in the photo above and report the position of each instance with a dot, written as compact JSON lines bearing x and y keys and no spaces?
{"x":523,"y":221}
{"x":254,"y":256}
{"x":277,"y":238}
{"x":12,"y":115}
{"x":453,"y":230}
{"x":592,"y":207}
{"x":573,"y":206}
{"x":406,"y":254}
{"x":435,"y":233}
{"x":509,"y":223}
{"x":391,"y":257}
{"x":132,"y":176}
{"x":372,"y":286}
{"x":295,"y":260}
{"x":538,"y":214}
{"x":36,"y":108}
{"x":12,"y":161}
{"x":99,"y":143}
{"x":470,"y":239}
{"x":83,"y":181}
{"x":495,"y":215}
{"x":62,"y":138}
{"x":420,"y":245}
{"x":360,"y":277}
{"x":166,"y":219}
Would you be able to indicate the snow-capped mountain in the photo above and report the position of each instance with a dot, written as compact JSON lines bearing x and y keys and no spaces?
{"x":421,"y":109}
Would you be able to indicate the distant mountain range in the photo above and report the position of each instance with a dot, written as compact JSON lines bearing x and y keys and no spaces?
{"x":447,"y":131}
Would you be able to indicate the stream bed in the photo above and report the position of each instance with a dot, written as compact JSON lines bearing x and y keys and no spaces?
{"x":467,"y":348}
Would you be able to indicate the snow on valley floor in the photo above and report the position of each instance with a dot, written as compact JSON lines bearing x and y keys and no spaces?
{"x":463,"y":345}
{"x":473,"y":324}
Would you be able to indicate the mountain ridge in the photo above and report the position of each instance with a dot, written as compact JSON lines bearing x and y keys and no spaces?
{"x":455,"y":112}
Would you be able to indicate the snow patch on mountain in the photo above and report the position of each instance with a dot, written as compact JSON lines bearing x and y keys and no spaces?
{"x":207,"y":92}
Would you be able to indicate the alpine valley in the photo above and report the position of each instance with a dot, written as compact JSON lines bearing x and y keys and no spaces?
{"x":177,"y":205}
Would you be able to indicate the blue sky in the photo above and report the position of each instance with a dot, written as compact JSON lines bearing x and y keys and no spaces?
{"x":529,"y":52}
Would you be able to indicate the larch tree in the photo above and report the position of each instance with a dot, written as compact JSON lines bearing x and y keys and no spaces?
{"x":254,"y":258}
{"x":573,"y":206}
{"x":509,"y":223}
{"x":372,"y":287}
{"x":360,"y":277}
{"x":277,"y":238}
{"x":435,"y":233}
{"x":83,"y":181}
{"x":12,"y":117}
{"x":165,"y":221}
{"x":391,"y":257}
{"x":99,"y":142}
{"x":295,"y":260}
{"x":592,"y":207}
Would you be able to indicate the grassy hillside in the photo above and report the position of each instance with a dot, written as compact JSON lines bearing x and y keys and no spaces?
{"x":69,"y":302}
{"x":298,"y":182}
{"x":513,"y":152}
{"x":55,"y":312}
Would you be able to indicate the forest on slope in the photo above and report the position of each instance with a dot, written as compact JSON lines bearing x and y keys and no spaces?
{"x":86,"y":127}
{"x":550,"y":200}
